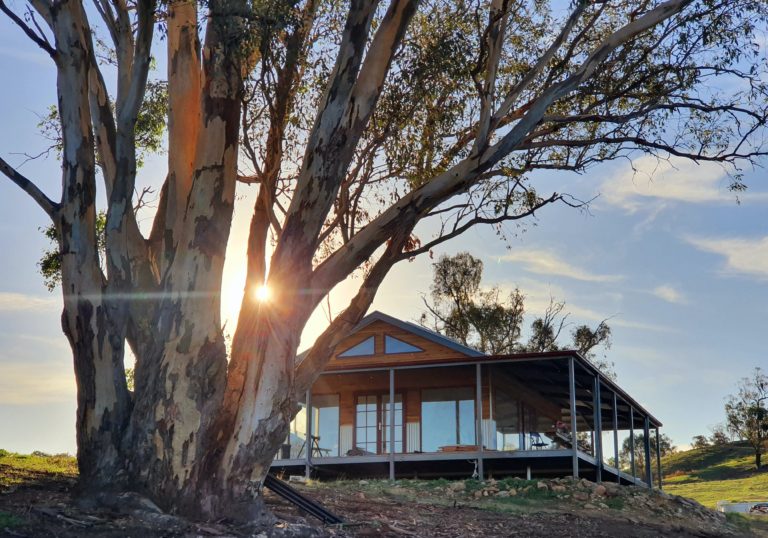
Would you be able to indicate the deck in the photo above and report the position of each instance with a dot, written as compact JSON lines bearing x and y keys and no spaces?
{"x":521,"y":463}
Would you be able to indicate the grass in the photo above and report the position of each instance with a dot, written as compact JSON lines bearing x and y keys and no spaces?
{"x":717,"y":473}
{"x":19,"y":468}
{"x":8,"y":521}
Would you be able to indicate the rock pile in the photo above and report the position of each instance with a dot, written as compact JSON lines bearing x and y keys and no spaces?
{"x":635,"y":504}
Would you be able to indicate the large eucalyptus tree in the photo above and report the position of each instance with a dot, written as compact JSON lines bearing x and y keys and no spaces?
{"x":357,"y":120}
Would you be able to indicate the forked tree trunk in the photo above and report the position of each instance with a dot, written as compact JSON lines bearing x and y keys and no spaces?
{"x":199,"y":433}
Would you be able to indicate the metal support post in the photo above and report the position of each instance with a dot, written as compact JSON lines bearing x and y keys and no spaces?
{"x":658,"y":460}
{"x":308,"y":437}
{"x":616,"y":439}
{"x":632,"y":443}
{"x":391,"y":417}
{"x":572,"y":390}
{"x":479,"y":420}
{"x":647,"y":447}
{"x":598,"y":427}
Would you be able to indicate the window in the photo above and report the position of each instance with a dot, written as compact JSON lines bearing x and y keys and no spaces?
{"x":366,"y":347}
{"x":366,"y":423}
{"x":447,"y":418}
{"x":392,"y":345}
{"x":325,"y":425}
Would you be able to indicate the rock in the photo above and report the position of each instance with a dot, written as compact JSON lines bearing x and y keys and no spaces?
{"x":478,"y":494}
{"x":542,"y":486}
{"x":559,"y":489}
{"x":502,"y":494}
{"x":580,"y":496}
{"x":363,"y":482}
{"x":599,"y":490}
{"x":458,"y":486}
{"x":590,"y":506}
{"x":395,"y":491}
{"x":512,"y":492}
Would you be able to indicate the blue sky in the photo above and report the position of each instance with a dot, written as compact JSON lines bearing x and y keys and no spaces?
{"x":678,"y":265}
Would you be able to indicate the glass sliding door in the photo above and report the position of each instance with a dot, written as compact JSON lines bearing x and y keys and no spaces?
{"x":398,"y":419}
{"x":447,"y":418}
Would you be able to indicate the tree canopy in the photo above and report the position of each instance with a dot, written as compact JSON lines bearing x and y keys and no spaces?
{"x":747,"y":412}
{"x":362,"y":125}
{"x":462,"y":309}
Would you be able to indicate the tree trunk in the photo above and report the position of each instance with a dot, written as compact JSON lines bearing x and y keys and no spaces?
{"x":89,"y":321}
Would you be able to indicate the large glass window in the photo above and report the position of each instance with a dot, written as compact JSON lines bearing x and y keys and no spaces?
{"x":447,"y":418}
{"x":295,"y":443}
{"x":325,"y":425}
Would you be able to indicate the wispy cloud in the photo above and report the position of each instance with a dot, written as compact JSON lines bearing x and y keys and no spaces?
{"x":23,"y":383}
{"x":654,"y":183}
{"x":14,"y":302}
{"x":544,"y":262}
{"x":538,"y":294}
{"x":744,"y":256}
{"x":669,"y":294}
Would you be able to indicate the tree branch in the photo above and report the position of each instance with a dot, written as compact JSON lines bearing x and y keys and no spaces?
{"x":40,"y":41}
{"x":49,"y":206}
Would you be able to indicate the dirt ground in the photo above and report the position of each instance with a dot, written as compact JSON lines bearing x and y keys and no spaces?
{"x":45,"y":506}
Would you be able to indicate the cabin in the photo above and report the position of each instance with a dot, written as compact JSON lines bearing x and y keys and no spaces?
{"x":398,"y":400}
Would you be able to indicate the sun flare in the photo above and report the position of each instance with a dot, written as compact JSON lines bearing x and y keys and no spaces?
{"x":262,"y":293}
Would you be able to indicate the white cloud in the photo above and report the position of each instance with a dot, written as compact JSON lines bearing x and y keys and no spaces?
{"x":15,"y":302}
{"x":544,"y":262}
{"x":669,"y":294}
{"x":655,"y":182}
{"x":742,"y":256}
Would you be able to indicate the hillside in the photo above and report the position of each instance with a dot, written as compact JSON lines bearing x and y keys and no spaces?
{"x":716,"y":473}
{"x":36,"y":499}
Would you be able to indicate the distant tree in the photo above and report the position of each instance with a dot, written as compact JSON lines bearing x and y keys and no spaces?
{"x":130,"y":378}
{"x":700,"y":441}
{"x":586,"y":339}
{"x":747,"y":412}
{"x":546,"y":330}
{"x":666,"y":447}
{"x":462,"y":310}
{"x":720,"y":435}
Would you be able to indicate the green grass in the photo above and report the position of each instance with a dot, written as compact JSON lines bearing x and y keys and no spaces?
{"x":8,"y":521}
{"x":718,"y":473}
{"x":19,"y":468}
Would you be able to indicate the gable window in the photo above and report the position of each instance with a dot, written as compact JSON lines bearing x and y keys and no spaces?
{"x":393,"y":345}
{"x":366,"y":347}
